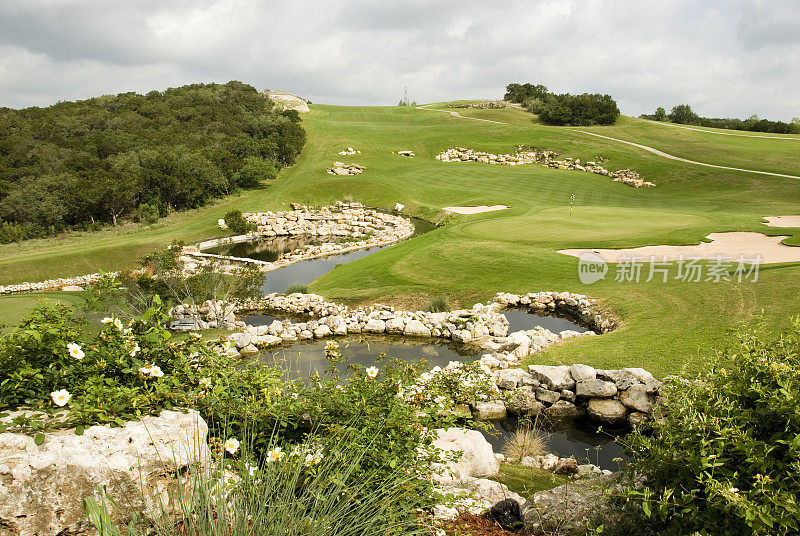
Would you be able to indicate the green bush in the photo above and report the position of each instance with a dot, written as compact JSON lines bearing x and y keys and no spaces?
{"x":236,"y":222}
{"x":302,"y":288}
{"x":724,"y":456}
{"x":437,"y":304}
{"x":146,"y":213}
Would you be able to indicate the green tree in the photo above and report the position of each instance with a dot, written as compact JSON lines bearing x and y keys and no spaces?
{"x":683,"y":114}
{"x":254,"y":172}
{"x":661,"y":114}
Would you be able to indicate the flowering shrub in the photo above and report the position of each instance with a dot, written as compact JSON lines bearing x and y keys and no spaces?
{"x":60,"y":366}
{"x":725,"y":456}
{"x":457,"y":383}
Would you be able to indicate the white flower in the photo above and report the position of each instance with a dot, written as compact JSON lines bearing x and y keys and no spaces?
{"x":75,"y":351}
{"x":275,"y":455}
{"x":372,"y":372}
{"x":60,"y":397}
{"x":251,"y":469}
{"x":205,"y":383}
{"x":436,"y":370}
{"x":151,"y":371}
{"x":232,"y":445}
{"x":118,"y":324}
{"x":107,"y":320}
{"x":135,"y":350}
{"x":313,"y":459}
{"x":195,"y":336}
{"x":733,"y":490}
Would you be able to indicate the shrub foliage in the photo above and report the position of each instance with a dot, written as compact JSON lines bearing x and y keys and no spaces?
{"x":723,"y":459}
{"x":75,"y":164}
{"x":564,"y":109}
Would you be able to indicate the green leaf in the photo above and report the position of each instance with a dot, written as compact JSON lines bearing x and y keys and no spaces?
{"x":38,"y":439}
{"x":79,"y":429}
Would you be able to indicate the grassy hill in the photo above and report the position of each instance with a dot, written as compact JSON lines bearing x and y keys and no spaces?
{"x":664,"y":325}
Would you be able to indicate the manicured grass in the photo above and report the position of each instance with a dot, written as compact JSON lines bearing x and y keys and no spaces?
{"x":527,"y":481}
{"x":13,"y":307}
{"x":664,"y":326}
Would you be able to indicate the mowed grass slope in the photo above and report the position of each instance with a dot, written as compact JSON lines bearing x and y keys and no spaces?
{"x":664,"y":326}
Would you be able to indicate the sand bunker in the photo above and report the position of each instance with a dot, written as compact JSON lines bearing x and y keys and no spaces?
{"x":475,"y":210}
{"x":732,"y":245}
{"x":783,"y":221}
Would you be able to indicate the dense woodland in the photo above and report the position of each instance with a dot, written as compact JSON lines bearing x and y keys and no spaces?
{"x":564,"y":109}
{"x":89,"y":163}
{"x":684,"y":115}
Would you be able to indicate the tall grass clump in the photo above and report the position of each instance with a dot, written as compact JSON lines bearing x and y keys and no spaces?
{"x":300,"y":288}
{"x":314,"y":488}
{"x":437,"y":304}
{"x":526,"y":440}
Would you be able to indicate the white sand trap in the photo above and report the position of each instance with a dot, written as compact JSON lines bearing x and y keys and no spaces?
{"x":731,"y":245}
{"x":476,"y":209}
{"x":783,"y":221}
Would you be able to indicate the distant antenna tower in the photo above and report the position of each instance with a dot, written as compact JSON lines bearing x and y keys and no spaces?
{"x":405,"y":95}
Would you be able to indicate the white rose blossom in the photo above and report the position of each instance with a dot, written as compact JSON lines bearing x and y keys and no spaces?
{"x":232,"y":445}
{"x":60,"y":397}
{"x":75,"y":351}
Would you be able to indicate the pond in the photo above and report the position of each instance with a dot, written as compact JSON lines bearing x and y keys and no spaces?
{"x":523,"y":319}
{"x":306,"y":357}
{"x":270,"y":248}
{"x":578,"y":438}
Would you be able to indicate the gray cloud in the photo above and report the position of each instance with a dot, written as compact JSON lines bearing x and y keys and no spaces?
{"x":730,"y":58}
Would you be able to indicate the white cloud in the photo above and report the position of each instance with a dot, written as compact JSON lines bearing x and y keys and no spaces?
{"x":725,"y":58}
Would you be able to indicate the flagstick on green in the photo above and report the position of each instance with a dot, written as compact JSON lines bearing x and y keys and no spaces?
{"x":571,"y":202}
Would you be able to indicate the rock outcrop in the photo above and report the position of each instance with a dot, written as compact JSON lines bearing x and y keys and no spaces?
{"x":340,"y":168}
{"x":42,"y":487}
{"x":544,"y":157}
{"x":286,"y":101}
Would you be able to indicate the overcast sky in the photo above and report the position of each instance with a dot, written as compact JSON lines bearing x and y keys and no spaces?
{"x":726,"y":58}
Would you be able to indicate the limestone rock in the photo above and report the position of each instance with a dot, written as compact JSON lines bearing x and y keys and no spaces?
{"x":415,"y":328}
{"x":511,"y":378}
{"x":43,"y":486}
{"x":554,"y":378}
{"x":595,"y":388}
{"x":523,"y":402}
{"x":637,"y":398}
{"x":582,"y":372}
{"x":477,"y":459}
{"x":492,"y":410}
{"x":563,"y":409}
{"x":607,"y":410}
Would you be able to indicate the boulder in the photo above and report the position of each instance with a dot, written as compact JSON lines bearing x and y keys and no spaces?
{"x":563,"y":409}
{"x":582,"y":372}
{"x":493,"y":410}
{"x":554,"y":378}
{"x":375,"y":326}
{"x":415,"y":328}
{"x":43,"y":486}
{"x":507,"y":514}
{"x":607,"y":410}
{"x":566,"y":466}
{"x":477,"y":459}
{"x":637,"y":398}
{"x":595,"y":388}
{"x":394,"y":325}
{"x":569,"y":508}
{"x":547,"y":396}
{"x":322,"y":331}
{"x":510,"y":378}
{"x":523,"y":403}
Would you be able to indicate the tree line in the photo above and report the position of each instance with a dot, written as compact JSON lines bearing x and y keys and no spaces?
{"x":564,"y":109}
{"x":88,"y":163}
{"x":684,"y":115}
